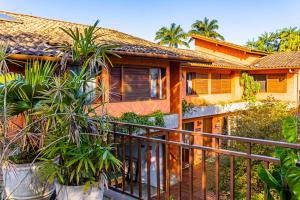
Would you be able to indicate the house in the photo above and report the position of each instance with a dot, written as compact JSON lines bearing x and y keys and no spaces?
{"x":146,"y":77}
{"x":149,"y":77}
{"x":214,"y":87}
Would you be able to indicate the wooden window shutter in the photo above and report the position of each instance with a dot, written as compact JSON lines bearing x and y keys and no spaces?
{"x":115,"y":84}
{"x":225,"y":83}
{"x":136,"y":83}
{"x":216,"y":83}
{"x":276,"y":83}
{"x":200,"y":83}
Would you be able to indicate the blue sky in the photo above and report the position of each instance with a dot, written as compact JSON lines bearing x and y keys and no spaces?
{"x":239,"y":20}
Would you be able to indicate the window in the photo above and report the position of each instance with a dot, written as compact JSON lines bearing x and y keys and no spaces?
{"x":220,"y":83}
{"x":276,"y":83}
{"x":189,"y":83}
{"x":272,"y":83}
{"x":129,"y":83}
{"x":262,"y":80}
{"x":156,"y":83}
{"x":196,"y":83}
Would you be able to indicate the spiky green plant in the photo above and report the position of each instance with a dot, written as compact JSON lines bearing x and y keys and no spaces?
{"x":23,"y":96}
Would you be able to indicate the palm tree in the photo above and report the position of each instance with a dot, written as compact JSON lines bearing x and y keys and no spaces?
{"x":289,"y":39}
{"x":268,"y":42}
{"x":172,"y":37}
{"x":206,"y":28}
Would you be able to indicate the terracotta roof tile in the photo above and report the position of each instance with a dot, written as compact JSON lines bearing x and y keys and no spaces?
{"x":278,"y":61}
{"x":38,"y":36}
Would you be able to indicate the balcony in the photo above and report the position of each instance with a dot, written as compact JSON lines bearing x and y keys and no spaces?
{"x":201,"y":111}
{"x":154,"y":165}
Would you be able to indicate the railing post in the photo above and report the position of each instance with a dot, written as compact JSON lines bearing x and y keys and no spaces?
{"x":116,"y":149}
{"x":149,"y":149}
{"x":217,"y":146}
{"x":179,"y":170}
{"x":249,"y":172}
{"x":191,"y":166}
{"x":140,"y":169}
{"x":232,"y":178}
{"x":203,"y":176}
{"x":157,"y":171}
{"x":266,"y":164}
{"x":130,"y":159}
{"x":167,"y":179}
{"x":123,"y":163}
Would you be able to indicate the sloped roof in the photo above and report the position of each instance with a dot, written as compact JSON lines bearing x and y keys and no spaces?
{"x":31,"y":35}
{"x":229,"y":44}
{"x":278,"y":60}
{"x":222,"y":64}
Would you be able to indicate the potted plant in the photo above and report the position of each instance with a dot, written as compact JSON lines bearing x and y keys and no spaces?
{"x":21,"y":95}
{"x":79,"y":138}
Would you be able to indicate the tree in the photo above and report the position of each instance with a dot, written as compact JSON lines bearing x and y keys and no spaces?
{"x":172,"y":37}
{"x":206,"y":28}
{"x":286,"y":39}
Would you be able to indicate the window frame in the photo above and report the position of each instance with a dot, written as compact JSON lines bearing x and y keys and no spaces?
{"x":162,"y":89}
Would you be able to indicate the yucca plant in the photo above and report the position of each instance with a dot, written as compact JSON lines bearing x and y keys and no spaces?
{"x":84,"y":48}
{"x":79,"y":138}
{"x":284,"y":180}
{"x":78,"y":152}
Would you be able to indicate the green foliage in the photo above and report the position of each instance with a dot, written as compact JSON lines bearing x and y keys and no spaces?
{"x":186,"y":107}
{"x":251,"y":88}
{"x":285,"y":178}
{"x":79,"y":165}
{"x":286,"y":39}
{"x":262,"y":120}
{"x":206,"y":28}
{"x":84,"y":48}
{"x":79,"y":150}
{"x":172,"y":37}
{"x":23,"y":98}
{"x":131,"y":117}
{"x":79,"y":136}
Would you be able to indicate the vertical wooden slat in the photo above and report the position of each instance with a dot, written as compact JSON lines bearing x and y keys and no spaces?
{"x":179,"y":170}
{"x":123,"y":163}
{"x":266,"y":164}
{"x":249,"y":172}
{"x":217,"y":146}
{"x":157,"y":171}
{"x":191,"y":166}
{"x":167,"y":179}
{"x":203,"y":175}
{"x":232,"y":177}
{"x":140,"y":169}
{"x":148,"y":171}
{"x":130,"y":159}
